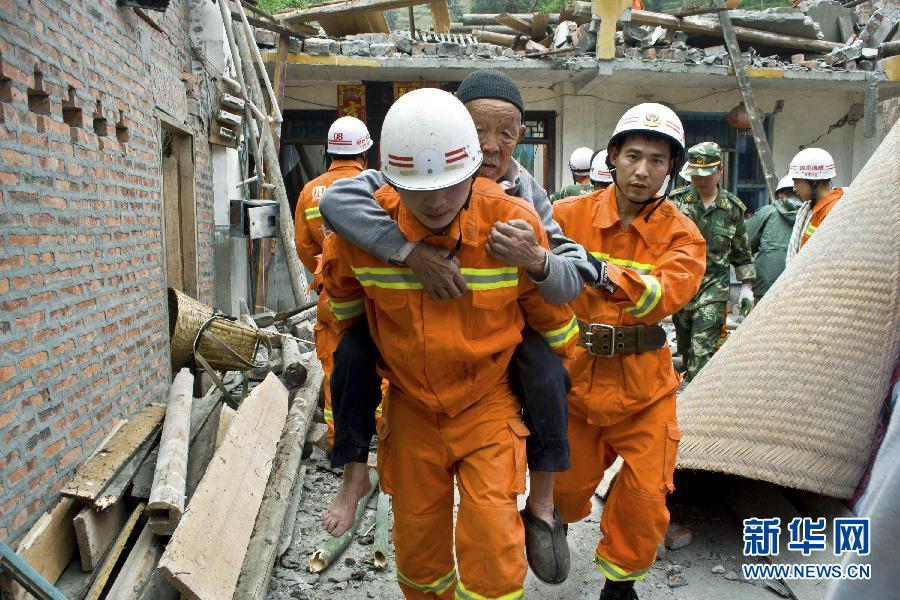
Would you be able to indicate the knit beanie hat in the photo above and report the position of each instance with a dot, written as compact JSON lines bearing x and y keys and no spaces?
{"x":490,"y":83}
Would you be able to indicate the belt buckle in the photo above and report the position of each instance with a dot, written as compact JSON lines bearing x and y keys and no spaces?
{"x":592,"y":330}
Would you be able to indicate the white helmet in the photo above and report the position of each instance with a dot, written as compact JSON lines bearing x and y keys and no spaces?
{"x":581,"y":159}
{"x":786,"y":183}
{"x":651,"y":117}
{"x":812,"y":163}
{"x":599,"y":170}
{"x":428,"y":141}
{"x":348,"y":135}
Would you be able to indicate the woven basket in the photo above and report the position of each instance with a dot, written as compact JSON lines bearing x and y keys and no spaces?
{"x":186,"y":318}
{"x":794,"y":396}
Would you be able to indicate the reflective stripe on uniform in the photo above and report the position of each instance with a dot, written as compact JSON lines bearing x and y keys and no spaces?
{"x":402,"y":278}
{"x":615,"y":573}
{"x":649,"y":299}
{"x":329,"y":415}
{"x":810,"y":229}
{"x":348,"y":309}
{"x":463,"y":594}
{"x":437,"y":587}
{"x":621,"y":262}
{"x":559,"y":337}
{"x":312,"y":213}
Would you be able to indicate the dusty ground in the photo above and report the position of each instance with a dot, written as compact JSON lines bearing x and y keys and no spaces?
{"x":716,"y":543}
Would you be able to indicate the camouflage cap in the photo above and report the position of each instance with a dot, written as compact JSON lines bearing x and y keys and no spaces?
{"x":703,"y":159}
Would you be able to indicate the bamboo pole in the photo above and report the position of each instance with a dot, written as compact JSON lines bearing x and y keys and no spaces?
{"x":334,"y":547}
{"x":382,"y":527}
{"x":290,"y":519}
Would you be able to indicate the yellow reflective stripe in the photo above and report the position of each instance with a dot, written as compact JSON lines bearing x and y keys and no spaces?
{"x":560,"y":337}
{"x":438,"y":586}
{"x":329,"y":415}
{"x":312,"y":213}
{"x":621,"y":262}
{"x":649,"y":299}
{"x":348,"y":309}
{"x":810,"y":229}
{"x":615,"y":573}
{"x":401,"y":278}
{"x":463,"y":594}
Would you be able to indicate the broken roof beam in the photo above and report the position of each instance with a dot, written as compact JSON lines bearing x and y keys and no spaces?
{"x":698,"y":26}
{"x":343,"y":9}
{"x":440,"y":16}
{"x":516,"y":23}
{"x":480,"y":20}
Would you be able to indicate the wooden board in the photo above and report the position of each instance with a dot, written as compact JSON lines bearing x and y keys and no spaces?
{"x":225,"y":417}
{"x":47,"y":547}
{"x":204,"y":557}
{"x":113,"y":492}
{"x":515,"y":23}
{"x":95,"y":532}
{"x":93,"y":477}
{"x":172,"y":223}
{"x":12,"y":563}
{"x":138,"y":567}
{"x":609,"y":12}
{"x":539,"y":25}
{"x":101,"y":577}
{"x":440,"y":16}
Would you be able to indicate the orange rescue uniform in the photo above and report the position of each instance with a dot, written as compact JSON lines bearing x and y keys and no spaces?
{"x":451,"y":409}
{"x":625,"y":405}
{"x":309,"y":235}
{"x":820,"y":210}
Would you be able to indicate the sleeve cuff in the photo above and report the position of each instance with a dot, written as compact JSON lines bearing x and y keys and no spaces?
{"x":745,"y":272}
{"x":400,"y":255}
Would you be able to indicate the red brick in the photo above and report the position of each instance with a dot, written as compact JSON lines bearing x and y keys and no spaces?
{"x":31,"y":320}
{"x":4,"y":285}
{"x":7,"y":417}
{"x":40,"y":220}
{"x":28,"y":281}
{"x":55,"y":447}
{"x":12,"y":262}
{"x":68,"y":457}
{"x":7,"y":372}
{"x":23,"y":240}
{"x":32,"y":361}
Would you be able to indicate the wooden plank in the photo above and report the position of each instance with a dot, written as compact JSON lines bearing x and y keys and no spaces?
{"x":142,"y":481}
{"x":515,"y":23}
{"x":182,"y":146}
{"x":340,"y":9}
{"x":204,"y":557}
{"x":763,"y":149}
{"x":116,"y":488}
{"x":105,"y":570}
{"x":539,"y":25}
{"x":26,"y":576}
{"x":280,"y":78}
{"x":166,"y":503}
{"x":260,"y":558}
{"x":172,"y":223}
{"x":138,"y":567}
{"x":440,"y":16}
{"x":697,"y":25}
{"x":609,"y":12}
{"x":290,"y":518}
{"x":47,"y":547}
{"x":95,"y":532}
{"x":225,"y":418}
{"x":93,"y":477}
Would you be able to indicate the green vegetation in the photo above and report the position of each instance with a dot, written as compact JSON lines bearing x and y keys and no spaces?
{"x":273,"y":6}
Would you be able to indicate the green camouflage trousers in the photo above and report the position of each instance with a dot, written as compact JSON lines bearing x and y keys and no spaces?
{"x":699,"y":333}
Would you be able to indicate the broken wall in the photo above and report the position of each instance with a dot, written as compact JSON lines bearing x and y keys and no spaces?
{"x":83,"y":314}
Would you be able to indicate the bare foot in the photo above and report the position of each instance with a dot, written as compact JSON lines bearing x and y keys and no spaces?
{"x":540,"y":496}
{"x":338,"y":517}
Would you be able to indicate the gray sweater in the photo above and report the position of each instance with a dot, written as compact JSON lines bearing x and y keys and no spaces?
{"x":350,"y":209}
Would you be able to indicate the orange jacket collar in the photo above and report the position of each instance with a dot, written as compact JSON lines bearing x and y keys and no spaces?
{"x":827,"y":200}
{"x":606,"y":213}
{"x":345,"y":164}
{"x":468,"y":220}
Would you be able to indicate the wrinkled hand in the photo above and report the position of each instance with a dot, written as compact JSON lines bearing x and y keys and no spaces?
{"x":440,"y":277}
{"x":571,"y":250}
{"x":746,"y":301}
{"x":515,"y":244}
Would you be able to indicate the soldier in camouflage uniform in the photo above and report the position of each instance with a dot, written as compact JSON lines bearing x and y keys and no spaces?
{"x":579,"y":164}
{"x":719,"y":215}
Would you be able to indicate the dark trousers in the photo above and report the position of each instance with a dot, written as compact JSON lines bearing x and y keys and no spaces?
{"x":536,"y":374}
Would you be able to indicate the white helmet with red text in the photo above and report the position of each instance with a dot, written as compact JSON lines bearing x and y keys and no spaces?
{"x":580,"y":160}
{"x":348,"y":136}
{"x":599,"y":170}
{"x":813,"y":164}
{"x":428,"y":141}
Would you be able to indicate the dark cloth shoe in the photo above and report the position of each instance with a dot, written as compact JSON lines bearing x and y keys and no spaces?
{"x":546,"y":548}
{"x":618,"y":590}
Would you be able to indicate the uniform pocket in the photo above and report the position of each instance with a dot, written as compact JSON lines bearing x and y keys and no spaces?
{"x":722,"y":237}
{"x":489,"y":312}
{"x":673,"y":435}
{"x":518,"y":433}
{"x":494,"y":298}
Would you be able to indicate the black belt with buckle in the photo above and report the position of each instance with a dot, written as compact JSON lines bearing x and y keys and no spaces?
{"x":608,"y":340}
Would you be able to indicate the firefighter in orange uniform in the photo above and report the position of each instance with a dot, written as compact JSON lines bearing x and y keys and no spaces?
{"x":348,"y":141}
{"x":651,"y":259}
{"x":812,"y":170}
{"x":451,"y":411}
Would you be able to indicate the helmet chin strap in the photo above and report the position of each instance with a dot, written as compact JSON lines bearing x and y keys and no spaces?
{"x":653,"y":199}
{"x":465,"y":206}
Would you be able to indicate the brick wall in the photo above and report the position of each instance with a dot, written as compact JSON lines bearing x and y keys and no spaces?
{"x":83,"y":320}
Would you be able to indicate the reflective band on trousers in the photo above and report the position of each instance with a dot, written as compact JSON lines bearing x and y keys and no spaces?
{"x":558,"y":337}
{"x":621,"y":262}
{"x":810,"y":229}
{"x":613,"y":572}
{"x":329,"y":415}
{"x":463,"y":594}
{"x":649,"y":299}
{"x":438,"y":586}
{"x":401,"y":278}
{"x":312,"y":213}
{"x":348,"y":309}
